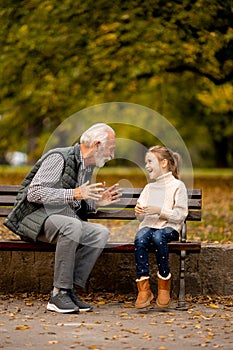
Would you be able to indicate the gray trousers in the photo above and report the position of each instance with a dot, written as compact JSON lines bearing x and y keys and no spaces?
{"x":78,"y":245}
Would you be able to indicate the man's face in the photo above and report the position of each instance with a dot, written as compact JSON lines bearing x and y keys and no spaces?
{"x":104,"y":152}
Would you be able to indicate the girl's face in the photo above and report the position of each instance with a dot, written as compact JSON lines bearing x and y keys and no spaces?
{"x":154,"y":166}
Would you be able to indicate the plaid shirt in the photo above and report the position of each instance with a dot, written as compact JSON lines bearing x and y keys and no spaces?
{"x":43,"y":186}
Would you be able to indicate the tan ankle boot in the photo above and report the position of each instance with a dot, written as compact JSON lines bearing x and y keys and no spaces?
{"x":145,"y":294}
{"x":163,"y":298}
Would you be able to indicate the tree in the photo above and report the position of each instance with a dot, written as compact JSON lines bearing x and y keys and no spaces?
{"x":60,"y":57}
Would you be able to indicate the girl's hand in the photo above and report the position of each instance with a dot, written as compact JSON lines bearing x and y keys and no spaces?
{"x":151,"y":210}
{"x":138,"y":209}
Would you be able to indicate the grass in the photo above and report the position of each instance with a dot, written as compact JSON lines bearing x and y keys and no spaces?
{"x":217,"y":215}
{"x":214,"y":172}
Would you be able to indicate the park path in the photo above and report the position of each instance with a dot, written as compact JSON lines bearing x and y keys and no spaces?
{"x":25,"y":324}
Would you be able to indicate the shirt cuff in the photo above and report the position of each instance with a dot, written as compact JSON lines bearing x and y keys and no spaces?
{"x":69,"y":195}
{"x":165,"y":213}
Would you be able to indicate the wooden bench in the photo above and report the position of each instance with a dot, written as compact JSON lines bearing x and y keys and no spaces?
{"x":124,"y":210}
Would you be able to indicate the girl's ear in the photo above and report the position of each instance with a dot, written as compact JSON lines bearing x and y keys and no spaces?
{"x":164,"y":163}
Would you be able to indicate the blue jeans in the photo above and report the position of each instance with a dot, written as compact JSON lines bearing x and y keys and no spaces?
{"x":159,"y":238}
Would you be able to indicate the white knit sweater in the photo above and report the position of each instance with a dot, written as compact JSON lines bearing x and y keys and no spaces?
{"x":170,"y":194}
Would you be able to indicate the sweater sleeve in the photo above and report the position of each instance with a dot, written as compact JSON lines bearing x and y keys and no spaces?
{"x":142,"y":200}
{"x":179,"y":210}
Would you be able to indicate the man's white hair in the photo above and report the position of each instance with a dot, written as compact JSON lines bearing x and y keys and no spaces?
{"x":97,"y":132}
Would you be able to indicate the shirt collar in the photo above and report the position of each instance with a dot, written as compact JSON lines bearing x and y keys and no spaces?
{"x":83,"y":167}
{"x":165,"y":177}
{"x":80,"y":159}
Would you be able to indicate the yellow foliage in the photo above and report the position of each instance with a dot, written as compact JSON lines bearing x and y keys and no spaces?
{"x":24,"y":28}
{"x":218,"y":98}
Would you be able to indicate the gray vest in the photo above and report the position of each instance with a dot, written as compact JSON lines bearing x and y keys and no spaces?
{"x":27,"y":218}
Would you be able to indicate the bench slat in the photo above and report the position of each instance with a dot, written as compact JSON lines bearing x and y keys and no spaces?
{"x":129,"y":215}
{"x":194,"y":193}
{"x":12,"y":189}
{"x":131,"y":202}
{"x":119,"y":215}
{"x":193,"y":203}
{"x":4,"y":212}
{"x":18,"y":245}
{"x":7,"y":200}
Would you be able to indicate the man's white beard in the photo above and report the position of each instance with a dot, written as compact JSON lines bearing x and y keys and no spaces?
{"x":100,"y":160}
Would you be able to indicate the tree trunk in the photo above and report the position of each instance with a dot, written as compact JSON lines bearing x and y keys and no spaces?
{"x":222,"y":152}
{"x":33,"y":132}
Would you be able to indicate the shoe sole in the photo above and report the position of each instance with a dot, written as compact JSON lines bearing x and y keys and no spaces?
{"x":162,"y":306}
{"x":142,"y":306}
{"x":86,"y":310}
{"x":52,"y":307}
{"x":82,"y":309}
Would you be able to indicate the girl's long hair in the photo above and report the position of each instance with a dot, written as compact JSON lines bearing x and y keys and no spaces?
{"x":173,"y":158}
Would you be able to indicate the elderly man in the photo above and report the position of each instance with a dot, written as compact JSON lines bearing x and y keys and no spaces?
{"x":52,"y":206}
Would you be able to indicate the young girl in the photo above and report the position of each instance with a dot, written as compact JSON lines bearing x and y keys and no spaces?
{"x":161,"y":209}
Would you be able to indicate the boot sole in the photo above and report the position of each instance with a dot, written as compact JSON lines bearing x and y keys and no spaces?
{"x":162,"y":306}
{"x":142,"y":306}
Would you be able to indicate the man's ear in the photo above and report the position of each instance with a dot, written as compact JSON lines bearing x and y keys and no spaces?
{"x":96,"y":145}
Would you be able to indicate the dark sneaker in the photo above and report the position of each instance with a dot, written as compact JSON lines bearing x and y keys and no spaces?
{"x":62,"y":303}
{"x":81,"y":305}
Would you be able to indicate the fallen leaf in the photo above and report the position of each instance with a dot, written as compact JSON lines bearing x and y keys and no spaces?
{"x":197,"y":326}
{"x":214,"y":306}
{"x":147,"y":336}
{"x":128,"y":305}
{"x":22,"y":328}
{"x":133,"y":331}
{"x":29,"y":303}
{"x":162,"y":337}
{"x":169,"y":321}
{"x":53,"y":341}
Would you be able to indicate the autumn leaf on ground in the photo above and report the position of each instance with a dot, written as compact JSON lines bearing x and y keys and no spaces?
{"x":22,"y":328}
{"x":213,"y":306}
{"x":53,"y":341}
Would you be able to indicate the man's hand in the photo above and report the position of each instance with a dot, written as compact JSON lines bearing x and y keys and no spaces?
{"x":110,"y":195}
{"x":86,"y":191}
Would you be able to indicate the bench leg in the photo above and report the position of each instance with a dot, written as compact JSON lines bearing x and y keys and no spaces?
{"x":181,"y":301}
